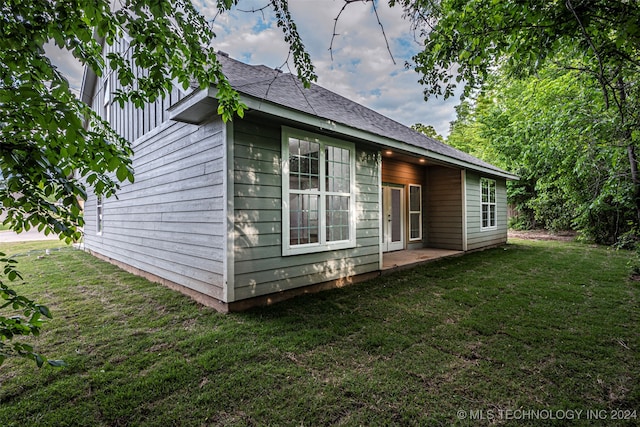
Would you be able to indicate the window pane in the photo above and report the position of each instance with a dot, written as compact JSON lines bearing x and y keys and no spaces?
{"x":485,"y":215}
{"x":337,"y":218}
{"x":414,"y":225}
{"x":396,"y":235}
{"x":492,"y":213}
{"x":492,"y":192}
{"x":107,"y":92}
{"x":99,"y":225}
{"x":303,"y":164}
{"x":303,"y":219}
{"x":294,"y":164}
{"x":99,"y":214}
{"x":294,"y":219}
{"x":337,"y":166}
{"x":330,"y":184}
{"x":414,"y":199}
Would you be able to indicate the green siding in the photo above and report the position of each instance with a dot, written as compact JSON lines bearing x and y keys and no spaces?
{"x":170,"y":222}
{"x":259,"y":267}
{"x":476,"y":237}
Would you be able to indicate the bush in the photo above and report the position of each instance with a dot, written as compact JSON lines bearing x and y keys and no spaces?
{"x":520,"y":222}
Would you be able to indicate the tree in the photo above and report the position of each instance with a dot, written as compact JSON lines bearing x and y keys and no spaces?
{"x":468,"y":40}
{"x":53,"y":146}
{"x":555,"y":133}
{"x":467,"y":132}
{"x":428,"y":130}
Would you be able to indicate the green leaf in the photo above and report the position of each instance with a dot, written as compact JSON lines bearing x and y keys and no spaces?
{"x":114,"y":163}
{"x":122,"y":172}
{"x":39,"y":360}
{"x":44,"y":311}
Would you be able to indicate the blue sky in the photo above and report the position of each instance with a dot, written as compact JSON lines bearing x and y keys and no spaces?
{"x":361,"y":69}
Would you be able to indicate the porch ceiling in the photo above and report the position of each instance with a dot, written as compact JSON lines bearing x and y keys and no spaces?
{"x":388,"y":154}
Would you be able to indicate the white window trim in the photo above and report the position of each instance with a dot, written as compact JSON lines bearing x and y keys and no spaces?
{"x":415,"y":239}
{"x":494,"y":204}
{"x":322,"y":245}
{"x":99,"y":215}
{"x":107,"y":98}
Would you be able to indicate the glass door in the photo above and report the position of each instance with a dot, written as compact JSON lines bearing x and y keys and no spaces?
{"x":393,"y":218}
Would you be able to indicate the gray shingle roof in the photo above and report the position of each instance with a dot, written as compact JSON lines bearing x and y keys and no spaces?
{"x":286,"y":90}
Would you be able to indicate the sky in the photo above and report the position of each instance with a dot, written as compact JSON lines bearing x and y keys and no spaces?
{"x":362,"y":69}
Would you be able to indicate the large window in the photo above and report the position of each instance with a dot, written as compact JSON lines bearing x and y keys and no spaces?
{"x":488,"y":191}
{"x":318,"y":184}
{"x":415,"y":212}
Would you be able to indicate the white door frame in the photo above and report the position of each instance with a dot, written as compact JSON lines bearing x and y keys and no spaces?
{"x":393,"y":218}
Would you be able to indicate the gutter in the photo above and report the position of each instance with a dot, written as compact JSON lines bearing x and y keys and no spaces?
{"x":199,"y":106}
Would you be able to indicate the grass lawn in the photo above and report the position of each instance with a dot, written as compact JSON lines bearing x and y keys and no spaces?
{"x":531,"y":326}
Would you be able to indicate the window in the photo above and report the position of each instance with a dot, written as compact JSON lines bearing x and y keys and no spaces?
{"x":318,"y":193}
{"x":99,"y":215}
{"x":415,"y":212}
{"x":488,"y":191}
{"x":107,"y":99}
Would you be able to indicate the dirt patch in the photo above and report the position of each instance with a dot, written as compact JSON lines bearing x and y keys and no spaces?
{"x":564,"y":236}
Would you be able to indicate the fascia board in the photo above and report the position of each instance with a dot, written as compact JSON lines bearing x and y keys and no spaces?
{"x":202,"y":99}
{"x":324,"y":124}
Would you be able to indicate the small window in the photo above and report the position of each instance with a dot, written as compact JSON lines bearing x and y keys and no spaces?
{"x":318,"y":195}
{"x":488,"y":204}
{"x":415,"y":212}
{"x":107,"y":99}
{"x":99,"y":212}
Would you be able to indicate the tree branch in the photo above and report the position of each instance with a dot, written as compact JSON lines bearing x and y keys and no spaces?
{"x":335,"y":25}
{"x":601,"y":77}
{"x":254,"y":10}
{"x":296,"y":82}
{"x":375,"y":11}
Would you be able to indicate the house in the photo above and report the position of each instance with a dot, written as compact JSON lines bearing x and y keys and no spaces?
{"x":308,"y":191}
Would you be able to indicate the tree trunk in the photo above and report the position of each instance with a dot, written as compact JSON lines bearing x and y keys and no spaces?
{"x":631,"y":149}
{"x":633,"y":161}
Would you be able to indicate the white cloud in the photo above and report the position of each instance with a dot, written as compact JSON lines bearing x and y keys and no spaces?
{"x":361,"y":69}
{"x":70,"y":67}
